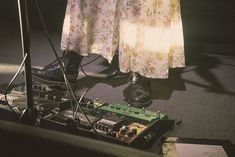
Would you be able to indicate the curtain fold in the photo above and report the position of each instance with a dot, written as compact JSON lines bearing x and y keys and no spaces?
{"x":147,"y":33}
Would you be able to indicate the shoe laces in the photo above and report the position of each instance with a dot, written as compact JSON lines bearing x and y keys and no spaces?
{"x":133,"y":77}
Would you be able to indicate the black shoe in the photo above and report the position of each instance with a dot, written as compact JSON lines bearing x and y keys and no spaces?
{"x":52,"y":73}
{"x":139,"y":91}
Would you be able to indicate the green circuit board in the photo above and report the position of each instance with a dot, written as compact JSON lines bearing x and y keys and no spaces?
{"x":138,"y":113}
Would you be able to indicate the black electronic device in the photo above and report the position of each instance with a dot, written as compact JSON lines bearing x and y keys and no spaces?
{"x":64,"y":118}
{"x":117,"y":123}
{"x":47,"y":101}
{"x":140,"y":128}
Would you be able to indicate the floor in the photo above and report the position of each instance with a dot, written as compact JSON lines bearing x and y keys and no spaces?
{"x":202,"y":95}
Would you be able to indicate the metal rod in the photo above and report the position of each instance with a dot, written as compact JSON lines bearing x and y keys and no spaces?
{"x":25,"y":41}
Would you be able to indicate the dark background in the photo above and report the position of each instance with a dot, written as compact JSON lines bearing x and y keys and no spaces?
{"x":206,"y":21}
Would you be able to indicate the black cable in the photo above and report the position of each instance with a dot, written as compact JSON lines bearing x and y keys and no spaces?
{"x":96,"y":77}
{"x":52,"y":46}
{"x":70,"y":96}
{"x":76,"y":111}
{"x":11,"y":82}
{"x":54,"y":50}
{"x":86,"y":73}
{"x":70,"y":90}
{"x":85,"y":64}
{"x":80,"y":100}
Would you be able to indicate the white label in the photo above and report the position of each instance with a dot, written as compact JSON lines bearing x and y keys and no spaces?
{"x":198,"y":150}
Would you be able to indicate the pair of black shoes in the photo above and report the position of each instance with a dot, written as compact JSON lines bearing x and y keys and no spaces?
{"x":52,"y":74}
{"x":138,"y":95}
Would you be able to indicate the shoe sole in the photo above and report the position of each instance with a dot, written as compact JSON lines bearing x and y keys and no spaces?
{"x":138,"y":104}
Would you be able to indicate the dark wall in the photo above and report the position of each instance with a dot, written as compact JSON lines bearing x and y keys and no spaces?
{"x":52,"y":11}
{"x":210,"y":19}
{"x":210,"y":22}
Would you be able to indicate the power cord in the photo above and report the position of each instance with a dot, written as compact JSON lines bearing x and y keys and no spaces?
{"x":54,"y":51}
{"x":85,"y":64}
{"x":80,"y":100}
{"x":105,"y":76}
{"x":11,"y":82}
{"x":70,"y":90}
